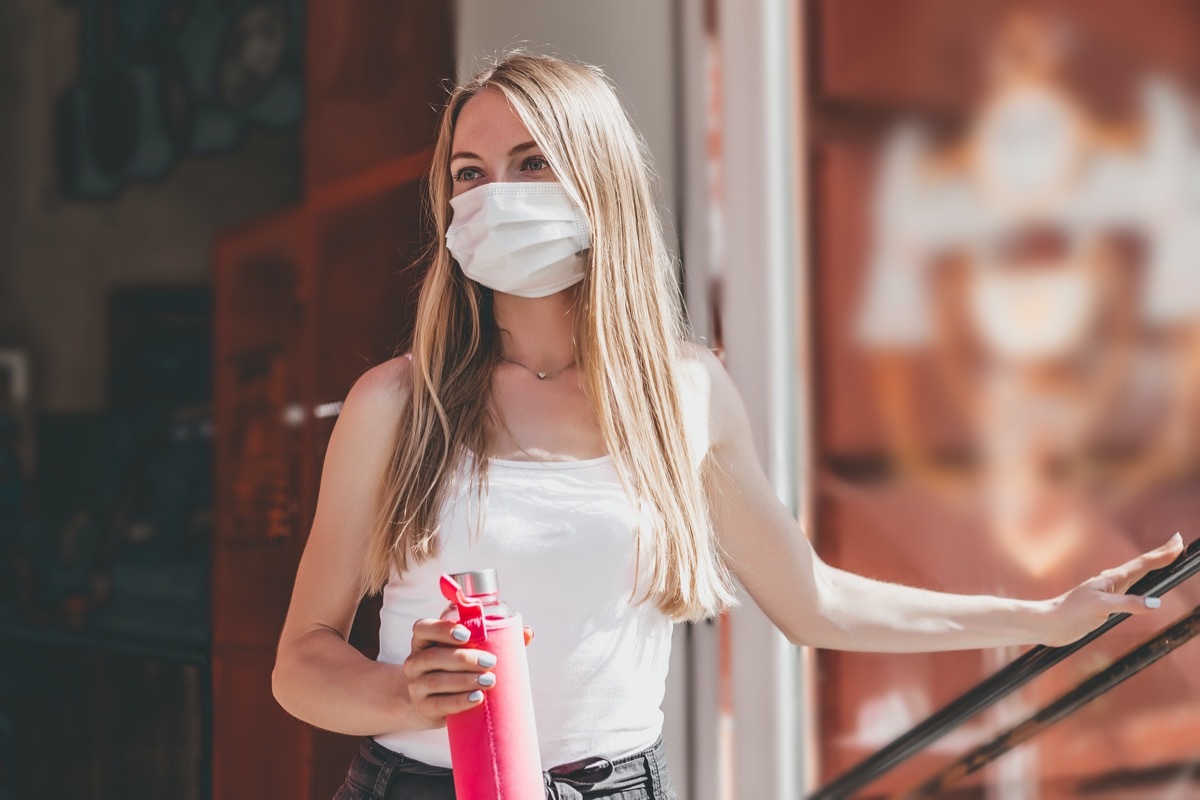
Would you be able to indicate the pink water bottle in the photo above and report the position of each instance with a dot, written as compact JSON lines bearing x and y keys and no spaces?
{"x":493,"y":746}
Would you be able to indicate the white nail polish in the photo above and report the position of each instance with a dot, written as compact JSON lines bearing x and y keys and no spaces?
{"x":1153,"y":602}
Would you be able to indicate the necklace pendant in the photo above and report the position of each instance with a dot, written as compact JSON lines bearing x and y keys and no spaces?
{"x":541,"y":376}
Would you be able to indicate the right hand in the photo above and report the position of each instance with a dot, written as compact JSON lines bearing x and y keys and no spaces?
{"x":441,"y":676}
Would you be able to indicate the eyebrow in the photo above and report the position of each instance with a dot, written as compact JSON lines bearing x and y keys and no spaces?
{"x":518,"y":149}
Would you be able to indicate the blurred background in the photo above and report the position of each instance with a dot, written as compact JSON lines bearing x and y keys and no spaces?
{"x":1006,"y":335}
{"x":949,"y":251}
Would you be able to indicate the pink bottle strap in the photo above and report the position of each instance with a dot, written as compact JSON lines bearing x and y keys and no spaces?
{"x":470,"y":609}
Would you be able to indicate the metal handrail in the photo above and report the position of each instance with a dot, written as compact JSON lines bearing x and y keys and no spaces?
{"x":1128,"y":665}
{"x":1005,"y":681}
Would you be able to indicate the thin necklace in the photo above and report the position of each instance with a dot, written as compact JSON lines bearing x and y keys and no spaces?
{"x":541,"y":376}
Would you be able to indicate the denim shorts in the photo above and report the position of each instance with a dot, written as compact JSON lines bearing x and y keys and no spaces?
{"x":377,"y":773}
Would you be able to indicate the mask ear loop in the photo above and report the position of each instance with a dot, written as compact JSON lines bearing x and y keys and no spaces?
{"x":577,"y":199}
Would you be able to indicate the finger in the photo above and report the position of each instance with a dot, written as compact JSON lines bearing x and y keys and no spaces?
{"x":528,"y":635}
{"x":1131,"y":571}
{"x":432,"y":632}
{"x":1135,"y":604}
{"x":444,"y":704}
{"x":446,"y":659}
{"x":442,"y":683}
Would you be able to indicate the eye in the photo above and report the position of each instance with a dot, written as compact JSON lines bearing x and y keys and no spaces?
{"x":467,"y":174}
{"x":535,"y":164}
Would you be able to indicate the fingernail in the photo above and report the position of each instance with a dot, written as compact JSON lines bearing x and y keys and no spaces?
{"x":475,"y":696}
{"x":1178,"y":537}
{"x":460,"y":633}
{"x":1153,"y":602}
{"x":487,"y":679}
{"x":486,"y":660}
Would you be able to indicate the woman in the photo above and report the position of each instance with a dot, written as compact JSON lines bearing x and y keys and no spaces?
{"x":550,"y":382}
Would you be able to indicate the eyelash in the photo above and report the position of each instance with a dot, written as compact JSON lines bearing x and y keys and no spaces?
{"x":458,"y":174}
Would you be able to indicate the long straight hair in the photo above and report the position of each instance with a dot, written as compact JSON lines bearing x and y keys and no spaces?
{"x":630,"y":335}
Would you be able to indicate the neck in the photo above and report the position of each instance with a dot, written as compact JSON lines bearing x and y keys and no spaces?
{"x":537,"y":331}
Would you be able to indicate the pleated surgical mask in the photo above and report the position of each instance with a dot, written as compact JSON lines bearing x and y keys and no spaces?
{"x":526,"y":239}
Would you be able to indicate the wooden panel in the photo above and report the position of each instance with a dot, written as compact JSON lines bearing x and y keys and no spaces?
{"x":871,"y":59}
{"x":927,"y":53}
{"x":306,"y":302}
{"x":867,"y":698}
{"x":847,"y":401}
{"x":331,"y":757}
{"x":918,"y":53}
{"x":367,"y":283}
{"x":263,"y":288}
{"x":850,"y":420}
{"x":259,"y":749}
{"x":903,"y":535}
{"x":252,"y":585}
{"x":376,"y":73}
{"x":259,"y":383}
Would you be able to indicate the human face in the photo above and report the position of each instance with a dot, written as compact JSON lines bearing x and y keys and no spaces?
{"x":492,"y":145}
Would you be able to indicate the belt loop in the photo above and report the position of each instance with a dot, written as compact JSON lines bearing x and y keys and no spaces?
{"x":384,"y":777}
{"x":652,"y":763}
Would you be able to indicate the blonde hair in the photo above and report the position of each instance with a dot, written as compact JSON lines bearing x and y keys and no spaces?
{"x":630,"y":336}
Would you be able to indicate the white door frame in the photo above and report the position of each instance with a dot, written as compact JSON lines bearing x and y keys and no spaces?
{"x":760,"y":255}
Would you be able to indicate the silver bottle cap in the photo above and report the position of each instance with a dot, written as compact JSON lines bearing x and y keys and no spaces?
{"x":477,"y":583}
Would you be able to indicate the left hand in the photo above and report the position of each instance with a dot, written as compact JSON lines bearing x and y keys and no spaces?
{"x":1086,"y":607}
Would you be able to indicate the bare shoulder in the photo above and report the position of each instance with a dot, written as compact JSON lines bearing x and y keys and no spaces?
{"x":698,"y":359}
{"x":365,"y":431}
{"x":382,"y":392}
{"x":703,"y":385}
{"x":698,"y":369}
{"x":702,"y":370}
{"x":709,"y":390}
{"x":360,"y":448}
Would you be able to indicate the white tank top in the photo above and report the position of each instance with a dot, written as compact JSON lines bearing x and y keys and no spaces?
{"x":561,"y":536}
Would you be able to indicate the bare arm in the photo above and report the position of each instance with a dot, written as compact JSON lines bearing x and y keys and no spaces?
{"x":815,"y":604}
{"x":319,"y":677}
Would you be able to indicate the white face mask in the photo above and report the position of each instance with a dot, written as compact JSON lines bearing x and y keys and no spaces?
{"x":526,"y":239}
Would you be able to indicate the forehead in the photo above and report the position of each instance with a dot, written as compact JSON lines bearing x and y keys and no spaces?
{"x":487,"y":118}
